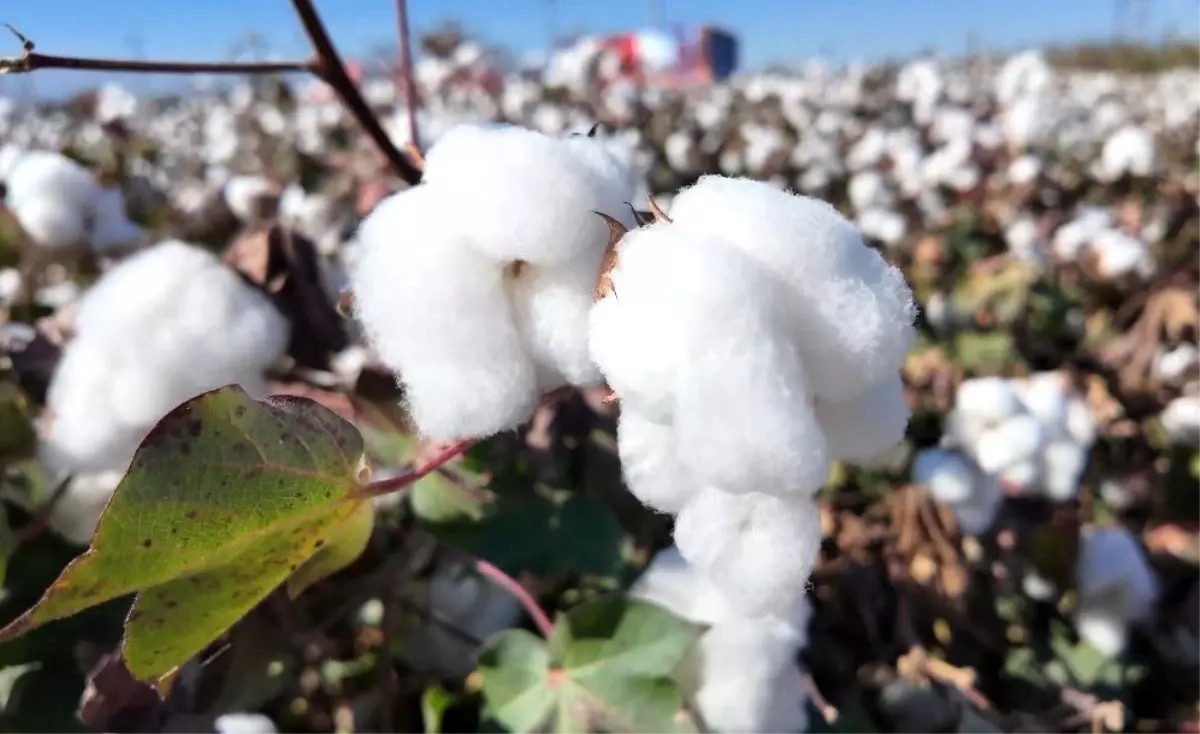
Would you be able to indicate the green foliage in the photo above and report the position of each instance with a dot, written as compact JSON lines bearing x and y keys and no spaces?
{"x":606,"y":667}
{"x":225,"y":499}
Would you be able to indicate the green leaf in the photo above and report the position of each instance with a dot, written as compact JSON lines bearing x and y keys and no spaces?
{"x":342,"y":549}
{"x":977,"y":352}
{"x":225,"y":498}
{"x":17,"y":434}
{"x":435,"y":701}
{"x":545,"y":532}
{"x":607,"y":667}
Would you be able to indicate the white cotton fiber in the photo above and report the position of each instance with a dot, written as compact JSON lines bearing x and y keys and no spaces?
{"x":852,"y":312}
{"x":865,"y":427}
{"x":955,"y":482}
{"x":649,"y":463}
{"x":161,"y":327}
{"x":1017,"y":438}
{"x":476,"y":286}
{"x":242,"y":195}
{"x":733,"y":385}
{"x":51,"y":196}
{"x":742,"y":676}
{"x":759,"y":549}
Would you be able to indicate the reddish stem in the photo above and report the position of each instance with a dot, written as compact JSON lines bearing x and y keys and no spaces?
{"x":396,"y":484}
{"x":518,"y":592}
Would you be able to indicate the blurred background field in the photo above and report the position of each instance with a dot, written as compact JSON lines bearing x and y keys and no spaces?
{"x":1027,"y":560}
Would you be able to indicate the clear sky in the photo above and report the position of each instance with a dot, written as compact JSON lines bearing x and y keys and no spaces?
{"x":770,"y":30}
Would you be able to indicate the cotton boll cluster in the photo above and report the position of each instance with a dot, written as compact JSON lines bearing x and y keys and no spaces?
{"x":742,"y":676}
{"x":1116,"y":588}
{"x":1032,"y":435}
{"x":475,"y":286}
{"x":724,"y":335}
{"x":161,"y":327}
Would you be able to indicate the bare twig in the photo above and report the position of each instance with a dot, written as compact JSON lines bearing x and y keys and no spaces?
{"x":30,"y":61}
{"x":518,"y":592}
{"x":333,"y":73}
{"x":325,"y":65}
{"x":406,"y":74}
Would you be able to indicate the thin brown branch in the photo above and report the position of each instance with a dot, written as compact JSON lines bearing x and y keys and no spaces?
{"x":518,"y":592}
{"x":33,"y":61}
{"x":406,"y":74}
{"x":333,"y":73}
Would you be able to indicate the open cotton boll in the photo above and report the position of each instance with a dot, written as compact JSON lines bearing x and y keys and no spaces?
{"x":1024,"y":170}
{"x":884,"y":225}
{"x":953,"y":481}
{"x":1072,"y":237}
{"x":758,"y":549}
{"x":549,"y":185}
{"x":244,"y":723}
{"x":867,"y":190}
{"x":1116,"y":588}
{"x":159,"y":328}
{"x":724,"y":372}
{"x":1130,"y":150}
{"x":832,"y":279}
{"x":979,"y":404}
{"x":1181,"y":420}
{"x":1064,"y":462}
{"x":51,"y":196}
{"x":1118,"y":255}
{"x":244,"y":196}
{"x":436,"y":311}
{"x":1172,"y":365}
{"x":1009,"y":443}
{"x":865,"y":427}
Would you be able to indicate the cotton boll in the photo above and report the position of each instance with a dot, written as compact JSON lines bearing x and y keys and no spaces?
{"x":1130,"y":150}
{"x":867,"y":190}
{"x":649,"y":464}
{"x":1119,"y":255}
{"x":51,"y":223}
{"x":1116,"y":588}
{"x":1181,"y":420}
{"x":1008,"y":443}
{"x":244,"y":723}
{"x":673,"y":584}
{"x":51,"y":197}
{"x":884,"y":225}
{"x":980,"y":403}
{"x":759,"y":549}
{"x":1173,"y":364}
{"x":748,"y":680}
{"x":953,"y":481}
{"x":511,"y":174}
{"x":436,"y":311}
{"x":867,"y":426}
{"x":244,"y":194}
{"x":831,"y":277}
{"x":1045,"y":396}
{"x":1064,"y":464}
{"x":1024,"y":170}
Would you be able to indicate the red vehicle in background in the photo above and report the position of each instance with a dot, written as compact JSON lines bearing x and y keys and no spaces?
{"x":678,"y":58}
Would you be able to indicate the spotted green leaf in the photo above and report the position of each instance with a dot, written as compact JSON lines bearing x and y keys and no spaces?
{"x":225,"y":499}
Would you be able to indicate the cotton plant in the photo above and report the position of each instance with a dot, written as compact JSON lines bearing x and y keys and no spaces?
{"x":1033,"y":435}
{"x":707,"y":332}
{"x":163,"y":326}
{"x":742,"y":675}
{"x":475,"y":286}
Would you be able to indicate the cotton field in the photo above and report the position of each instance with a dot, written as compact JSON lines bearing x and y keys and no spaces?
{"x":871,"y":394}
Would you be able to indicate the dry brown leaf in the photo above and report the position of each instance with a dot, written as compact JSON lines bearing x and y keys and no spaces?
{"x":616,"y":230}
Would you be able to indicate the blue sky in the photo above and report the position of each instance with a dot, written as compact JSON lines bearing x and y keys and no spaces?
{"x":770,"y":30}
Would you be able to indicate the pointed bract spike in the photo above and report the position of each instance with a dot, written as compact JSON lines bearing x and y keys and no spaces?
{"x":616,"y":231}
{"x":642,"y":218}
{"x":595,"y":128}
{"x":659,"y":214}
{"x":414,"y":153}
